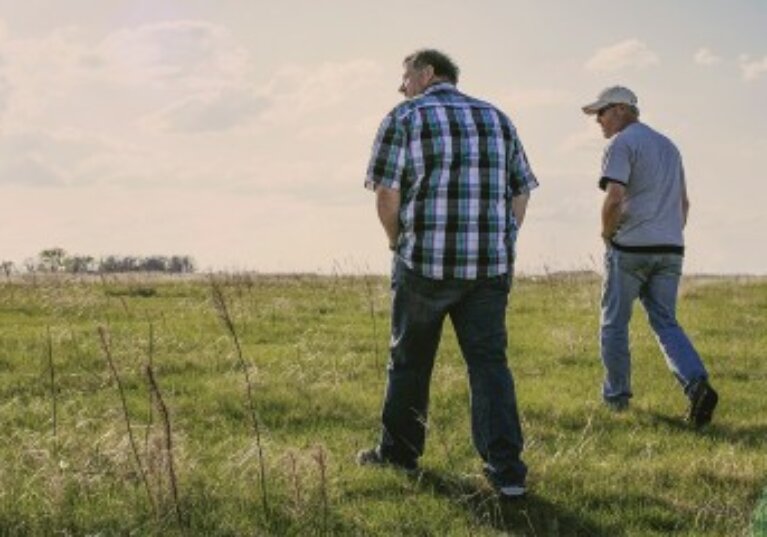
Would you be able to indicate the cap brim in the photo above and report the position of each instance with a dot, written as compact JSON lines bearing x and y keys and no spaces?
{"x":594,"y":107}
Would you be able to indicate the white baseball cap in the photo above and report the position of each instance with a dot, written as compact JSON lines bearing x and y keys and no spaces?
{"x":611,"y":95}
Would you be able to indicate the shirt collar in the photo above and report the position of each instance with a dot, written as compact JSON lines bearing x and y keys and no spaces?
{"x":439,"y":86}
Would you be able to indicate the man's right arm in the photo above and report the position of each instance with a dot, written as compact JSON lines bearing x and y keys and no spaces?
{"x":612,"y":209}
{"x":385,"y":170}
{"x":387,"y":205}
{"x":685,"y":202}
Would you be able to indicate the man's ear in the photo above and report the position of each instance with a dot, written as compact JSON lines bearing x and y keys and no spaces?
{"x":428,"y":72}
{"x":624,"y":110}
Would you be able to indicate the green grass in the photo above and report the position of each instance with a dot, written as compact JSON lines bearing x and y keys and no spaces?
{"x":317,"y":362}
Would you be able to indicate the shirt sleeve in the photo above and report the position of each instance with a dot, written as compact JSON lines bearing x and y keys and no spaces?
{"x":521,"y":177}
{"x":388,"y":159}
{"x":682,"y":175}
{"x":616,"y":163}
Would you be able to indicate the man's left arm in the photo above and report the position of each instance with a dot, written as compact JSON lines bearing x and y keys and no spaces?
{"x":522,"y":180}
{"x":519,"y":207}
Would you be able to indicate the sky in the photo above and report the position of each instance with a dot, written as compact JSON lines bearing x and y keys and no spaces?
{"x":238,"y":132}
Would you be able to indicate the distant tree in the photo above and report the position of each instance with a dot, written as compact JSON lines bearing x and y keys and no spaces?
{"x":30,"y":265}
{"x":109,"y":264}
{"x":177,"y":264}
{"x":9,"y":267}
{"x":181,"y":264}
{"x":155,"y":263}
{"x":131,"y":264}
{"x":79,"y":264}
{"x":52,"y":259}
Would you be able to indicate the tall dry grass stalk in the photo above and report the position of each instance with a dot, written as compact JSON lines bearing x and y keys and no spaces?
{"x":442,"y":439}
{"x":322,"y":463}
{"x":222,"y":308}
{"x":369,"y":292}
{"x":150,"y":411}
{"x":105,"y":285}
{"x":295,"y":479}
{"x":54,"y":404}
{"x":107,"y":347}
{"x":165,"y":415}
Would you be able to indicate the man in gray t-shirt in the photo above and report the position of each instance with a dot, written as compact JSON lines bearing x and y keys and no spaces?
{"x":649,"y":166}
{"x":644,"y":212}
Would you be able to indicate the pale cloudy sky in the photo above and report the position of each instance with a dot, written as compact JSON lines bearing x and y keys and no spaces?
{"x":238,"y":131}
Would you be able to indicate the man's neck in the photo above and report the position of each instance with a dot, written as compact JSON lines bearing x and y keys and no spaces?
{"x":437,"y":81}
{"x":628,"y":124}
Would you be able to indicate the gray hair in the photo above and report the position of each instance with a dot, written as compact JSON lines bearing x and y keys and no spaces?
{"x":443,"y":66}
{"x":633,"y":110}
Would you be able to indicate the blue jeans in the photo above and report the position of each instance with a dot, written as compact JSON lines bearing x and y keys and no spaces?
{"x":477,"y":309}
{"x":654,"y":278}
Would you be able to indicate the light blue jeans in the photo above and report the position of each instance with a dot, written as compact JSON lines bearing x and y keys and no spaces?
{"x":654,"y":279}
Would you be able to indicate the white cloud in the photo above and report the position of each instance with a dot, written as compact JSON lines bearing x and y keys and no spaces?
{"x":536,"y":98}
{"x":289,"y":96}
{"x":180,"y":56}
{"x":752,"y":69}
{"x":630,"y":53}
{"x":185,"y":53}
{"x":45,"y":157}
{"x":84,"y":113}
{"x":39,"y":70}
{"x":298,"y":90}
{"x":209,"y":112}
{"x":30,"y":169}
{"x":589,"y":139}
{"x":5,"y":92}
{"x":704,"y":56}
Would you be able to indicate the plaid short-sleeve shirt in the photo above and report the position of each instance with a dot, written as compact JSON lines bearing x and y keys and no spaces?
{"x":457,"y":163}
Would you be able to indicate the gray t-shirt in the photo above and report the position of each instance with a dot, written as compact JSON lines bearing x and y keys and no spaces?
{"x":650,"y":167}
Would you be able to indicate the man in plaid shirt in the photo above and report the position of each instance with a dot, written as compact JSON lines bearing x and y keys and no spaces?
{"x":452,"y":183}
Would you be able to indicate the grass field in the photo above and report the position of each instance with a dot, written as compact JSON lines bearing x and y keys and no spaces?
{"x":268,"y":449}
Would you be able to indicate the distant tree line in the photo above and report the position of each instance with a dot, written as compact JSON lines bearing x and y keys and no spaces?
{"x":57,"y":260}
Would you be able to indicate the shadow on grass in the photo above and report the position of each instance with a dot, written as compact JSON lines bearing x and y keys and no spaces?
{"x":759,"y":528}
{"x":531,"y":515}
{"x":748,"y":436}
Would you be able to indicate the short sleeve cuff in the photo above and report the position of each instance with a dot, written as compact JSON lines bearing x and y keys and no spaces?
{"x":604,"y":181}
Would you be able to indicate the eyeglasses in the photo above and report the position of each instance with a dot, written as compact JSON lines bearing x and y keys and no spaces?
{"x":605,"y":109}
